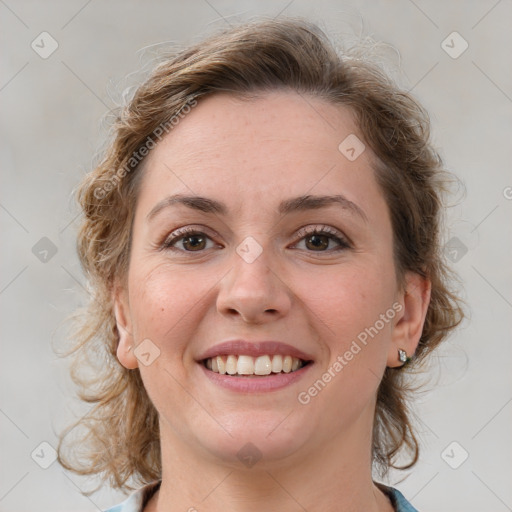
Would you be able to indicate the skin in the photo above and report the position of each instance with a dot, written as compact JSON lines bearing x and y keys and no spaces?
{"x":251,"y":154}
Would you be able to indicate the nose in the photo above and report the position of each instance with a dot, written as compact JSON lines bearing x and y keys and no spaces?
{"x":254,"y":292}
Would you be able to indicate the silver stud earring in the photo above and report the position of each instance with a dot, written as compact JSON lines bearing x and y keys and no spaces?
{"x":402,"y":356}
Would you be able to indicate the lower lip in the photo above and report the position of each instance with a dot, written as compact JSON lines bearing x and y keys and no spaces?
{"x":260,"y":384}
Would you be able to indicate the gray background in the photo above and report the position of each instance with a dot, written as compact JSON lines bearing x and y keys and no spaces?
{"x":53,"y":112}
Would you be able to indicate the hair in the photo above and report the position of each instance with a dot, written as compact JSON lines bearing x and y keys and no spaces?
{"x":119,"y":438}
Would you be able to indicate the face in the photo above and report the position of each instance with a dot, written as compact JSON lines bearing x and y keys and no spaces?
{"x":255,"y":236}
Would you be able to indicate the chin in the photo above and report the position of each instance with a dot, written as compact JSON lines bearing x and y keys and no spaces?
{"x":260,"y":439}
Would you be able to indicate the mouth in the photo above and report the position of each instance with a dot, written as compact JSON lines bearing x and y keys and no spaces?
{"x":254,"y":366}
{"x":249,"y":366}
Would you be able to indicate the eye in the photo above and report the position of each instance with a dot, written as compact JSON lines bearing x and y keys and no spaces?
{"x":312,"y":239}
{"x":321,"y":239}
{"x":188,"y":240}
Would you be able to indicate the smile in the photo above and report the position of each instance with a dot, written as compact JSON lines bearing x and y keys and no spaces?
{"x":256,"y":366}
{"x":245,"y":365}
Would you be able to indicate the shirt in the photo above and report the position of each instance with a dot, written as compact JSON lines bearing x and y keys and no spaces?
{"x":139,"y":499}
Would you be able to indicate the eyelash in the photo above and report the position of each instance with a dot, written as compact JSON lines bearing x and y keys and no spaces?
{"x":333,"y":234}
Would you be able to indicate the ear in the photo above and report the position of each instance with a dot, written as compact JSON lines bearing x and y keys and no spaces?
{"x":408,"y":327}
{"x":124,"y":328}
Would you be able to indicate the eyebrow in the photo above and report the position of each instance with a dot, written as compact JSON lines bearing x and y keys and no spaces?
{"x":295,"y":204}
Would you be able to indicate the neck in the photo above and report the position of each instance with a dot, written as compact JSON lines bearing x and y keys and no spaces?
{"x":336,"y":475}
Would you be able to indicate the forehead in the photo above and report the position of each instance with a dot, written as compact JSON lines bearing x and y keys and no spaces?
{"x":250,"y":152}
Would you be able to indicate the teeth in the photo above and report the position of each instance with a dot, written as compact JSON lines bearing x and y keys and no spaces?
{"x":287,"y":364}
{"x":277,"y":364}
{"x":231,"y":365}
{"x":221,"y":365}
{"x":263,"y":365}
{"x":247,"y":365}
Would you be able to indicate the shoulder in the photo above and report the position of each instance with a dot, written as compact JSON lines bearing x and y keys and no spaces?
{"x":398,"y":500}
{"x":137,"y":500}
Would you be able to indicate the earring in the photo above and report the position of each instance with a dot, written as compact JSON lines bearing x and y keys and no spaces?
{"x":402,"y":356}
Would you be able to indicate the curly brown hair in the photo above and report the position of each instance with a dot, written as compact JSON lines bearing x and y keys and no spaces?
{"x":119,"y":438}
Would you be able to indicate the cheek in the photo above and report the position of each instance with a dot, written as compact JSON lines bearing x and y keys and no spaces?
{"x":165,"y":303}
{"x":162,"y":298}
{"x":347,"y":306}
{"x":347,"y":299}
{"x":169,"y":303}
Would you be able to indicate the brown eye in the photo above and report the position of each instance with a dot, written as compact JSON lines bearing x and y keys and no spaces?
{"x":194,"y":242}
{"x":188,"y":240}
{"x":321,"y":239}
{"x":317,"y":242}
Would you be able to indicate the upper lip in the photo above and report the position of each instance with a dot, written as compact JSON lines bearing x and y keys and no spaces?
{"x":254,"y":349}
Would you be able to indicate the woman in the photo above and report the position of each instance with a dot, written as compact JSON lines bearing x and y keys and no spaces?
{"x":263,"y":243}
